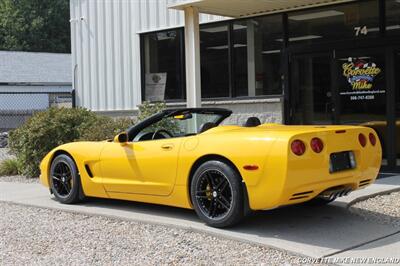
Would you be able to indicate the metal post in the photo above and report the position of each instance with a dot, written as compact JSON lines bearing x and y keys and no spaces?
{"x":192,"y":51}
{"x":251,"y":61}
{"x":73,"y":95}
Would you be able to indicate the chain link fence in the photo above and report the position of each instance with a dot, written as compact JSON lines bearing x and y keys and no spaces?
{"x":17,"y":107}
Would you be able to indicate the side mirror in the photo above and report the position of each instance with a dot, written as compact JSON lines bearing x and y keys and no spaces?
{"x":121,"y":138}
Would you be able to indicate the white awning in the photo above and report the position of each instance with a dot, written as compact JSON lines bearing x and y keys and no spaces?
{"x":245,"y":8}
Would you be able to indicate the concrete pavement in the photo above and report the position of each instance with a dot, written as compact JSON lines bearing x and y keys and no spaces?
{"x":312,"y":231}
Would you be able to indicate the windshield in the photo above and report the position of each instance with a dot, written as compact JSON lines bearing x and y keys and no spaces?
{"x":179,"y":125}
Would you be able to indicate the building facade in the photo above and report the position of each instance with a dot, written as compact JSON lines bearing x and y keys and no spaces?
{"x":312,"y":62}
{"x":30,"y":82}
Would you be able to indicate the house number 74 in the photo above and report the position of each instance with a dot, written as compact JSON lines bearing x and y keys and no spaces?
{"x":361,"y":30}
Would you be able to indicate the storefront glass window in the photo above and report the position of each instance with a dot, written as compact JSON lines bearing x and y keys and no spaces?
{"x":362,"y":92}
{"x":162,"y":54}
{"x":392,"y":17}
{"x":240,"y":50}
{"x":362,"y":88}
{"x":257,"y":44}
{"x":214,"y":61}
{"x":397,"y":106}
{"x":311,"y":89}
{"x":337,"y":22}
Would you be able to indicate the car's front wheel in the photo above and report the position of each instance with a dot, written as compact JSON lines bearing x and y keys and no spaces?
{"x":217,"y":194}
{"x":65,"y":183}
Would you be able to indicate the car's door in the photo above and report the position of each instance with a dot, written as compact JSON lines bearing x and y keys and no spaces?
{"x":143,"y":167}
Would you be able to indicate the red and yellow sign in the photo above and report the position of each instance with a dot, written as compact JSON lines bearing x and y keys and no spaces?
{"x":360,"y":74}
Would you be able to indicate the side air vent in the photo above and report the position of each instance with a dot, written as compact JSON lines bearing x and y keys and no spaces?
{"x":89,"y":172}
{"x":301,"y":195}
{"x":365,"y":182}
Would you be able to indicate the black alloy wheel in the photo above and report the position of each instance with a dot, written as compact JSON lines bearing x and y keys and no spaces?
{"x":214,"y":194}
{"x":217,"y":194}
{"x":64,"y":180}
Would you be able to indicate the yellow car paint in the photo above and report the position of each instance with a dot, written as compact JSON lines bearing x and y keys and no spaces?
{"x":158,"y":171}
{"x":146,"y":167}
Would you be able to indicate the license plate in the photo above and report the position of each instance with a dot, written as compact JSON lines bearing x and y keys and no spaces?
{"x":340,"y":161}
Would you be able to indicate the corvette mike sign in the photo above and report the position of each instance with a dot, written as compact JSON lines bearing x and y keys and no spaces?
{"x":361,"y":76}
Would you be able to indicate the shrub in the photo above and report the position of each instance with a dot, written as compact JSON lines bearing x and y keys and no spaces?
{"x":104,"y":128}
{"x":148,"y":109}
{"x":55,"y":126}
{"x":45,"y":131}
{"x":9,"y":167}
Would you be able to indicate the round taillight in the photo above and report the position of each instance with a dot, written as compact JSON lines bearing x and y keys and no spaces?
{"x":372,"y":139}
{"x":362,"y":139}
{"x":317,"y":145}
{"x":298,"y":147}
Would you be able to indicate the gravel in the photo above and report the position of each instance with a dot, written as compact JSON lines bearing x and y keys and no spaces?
{"x":383,"y":209}
{"x":18,"y":179}
{"x":30,"y":235}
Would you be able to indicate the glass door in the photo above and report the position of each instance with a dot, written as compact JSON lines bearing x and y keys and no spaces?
{"x":311,"y":96}
{"x":362,"y":90}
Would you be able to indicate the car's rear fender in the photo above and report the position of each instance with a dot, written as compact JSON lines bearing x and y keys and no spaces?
{"x":266,"y":193}
{"x":239,"y":149}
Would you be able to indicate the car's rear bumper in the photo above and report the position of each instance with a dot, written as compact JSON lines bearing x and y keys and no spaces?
{"x":335,"y":187}
{"x":261,"y":198}
{"x":291,"y":179}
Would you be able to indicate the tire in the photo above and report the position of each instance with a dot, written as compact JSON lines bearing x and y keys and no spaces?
{"x":65,"y":182}
{"x":217,"y":196}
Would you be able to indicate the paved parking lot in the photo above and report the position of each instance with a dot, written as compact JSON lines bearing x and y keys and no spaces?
{"x":310,"y":231}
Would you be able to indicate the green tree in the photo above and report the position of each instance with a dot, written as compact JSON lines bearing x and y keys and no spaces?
{"x":35,"y":25}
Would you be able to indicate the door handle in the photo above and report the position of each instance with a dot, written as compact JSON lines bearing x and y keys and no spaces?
{"x":167,"y":146}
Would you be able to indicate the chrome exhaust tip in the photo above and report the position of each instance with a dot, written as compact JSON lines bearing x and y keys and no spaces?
{"x":332,"y":195}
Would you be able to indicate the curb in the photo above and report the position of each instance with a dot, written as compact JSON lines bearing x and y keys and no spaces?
{"x":372,"y":195}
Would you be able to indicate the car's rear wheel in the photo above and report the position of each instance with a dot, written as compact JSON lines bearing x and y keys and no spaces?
{"x":217,"y":194}
{"x":65,"y":183}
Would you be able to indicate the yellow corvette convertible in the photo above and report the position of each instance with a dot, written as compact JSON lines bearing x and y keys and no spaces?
{"x":185,"y":158}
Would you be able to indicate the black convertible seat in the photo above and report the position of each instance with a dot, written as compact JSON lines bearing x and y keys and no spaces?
{"x":252,"y":122}
{"x":206,"y":126}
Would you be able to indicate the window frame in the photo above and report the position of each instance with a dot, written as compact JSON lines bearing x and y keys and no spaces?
{"x":231,"y":59}
{"x":285,"y":58}
{"x":381,"y":22}
{"x":182,"y":63}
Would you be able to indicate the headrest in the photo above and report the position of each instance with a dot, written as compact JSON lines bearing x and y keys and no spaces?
{"x":252,"y":122}
{"x":206,"y":126}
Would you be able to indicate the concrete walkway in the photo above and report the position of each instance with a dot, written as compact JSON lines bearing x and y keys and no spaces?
{"x":312,"y":231}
